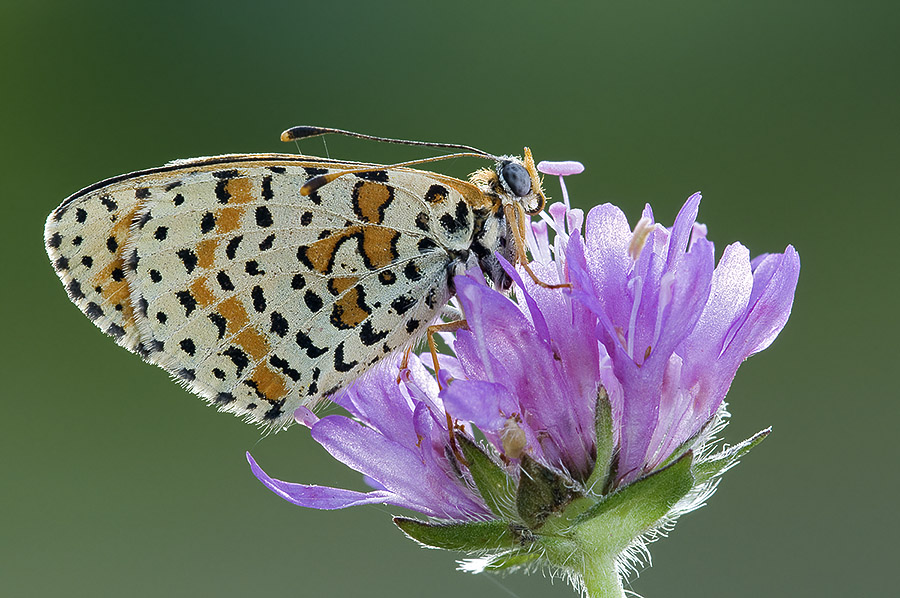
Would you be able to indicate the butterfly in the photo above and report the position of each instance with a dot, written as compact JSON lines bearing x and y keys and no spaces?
{"x":266,"y":282}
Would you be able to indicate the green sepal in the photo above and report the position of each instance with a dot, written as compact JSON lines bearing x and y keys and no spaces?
{"x":717,"y":464}
{"x":542,"y":492}
{"x":686,"y":445}
{"x":494,"y":486}
{"x":474,"y":537}
{"x":603,"y":426}
{"x":611,"y":524}
{"x":511,"y":560}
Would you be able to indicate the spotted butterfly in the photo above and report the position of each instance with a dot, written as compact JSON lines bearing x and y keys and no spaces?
{"x":265,"y":282}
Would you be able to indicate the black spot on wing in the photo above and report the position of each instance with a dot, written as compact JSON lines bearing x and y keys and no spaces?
{"x":187,"y":345}
{"x":93,"y":311}
{"x":403,"y":304}
{"x":144,"y":219}
{"x":252,"y":268}
{"x":369,"y":336}
{"x":112,"y":206}
{"x":187,"y":301}
{"x":274,"y":411}
{"x":259,"y":299}
{"x":219,"y":322}
{"x":312,"y":171}
{"x":339,"y":363}
{"x":74,"y":289}
{"x":422,"y":222}
{"x":232,"y":247}
{"x":457,"y":222}
{"x":188,"y":258}
{"x":224,"y":398}
{"x":208,"y":222}
{"x":305,"y":343}
{"x":436,"y":194}
{"x":279,"y":324}
{"x":412,"y":272}
{"x":224,"y":281}
{"x":284,"y":366}
{"x":266,"y":244}
{"x":313,"y":301}
{"x":426,"y":244}
{"x":377,"y":176}
{"x":238,"y":357}
{"x":263,"y":217}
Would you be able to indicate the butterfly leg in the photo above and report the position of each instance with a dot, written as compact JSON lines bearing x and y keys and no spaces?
{"x":446,"y":327}
{"x":517,"y":218}
{"x":404,"y":364}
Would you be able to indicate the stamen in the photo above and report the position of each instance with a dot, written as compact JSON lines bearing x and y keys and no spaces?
{"x":642,"y":230}
{"x":561,"y":169}
{"x":632,"y":321}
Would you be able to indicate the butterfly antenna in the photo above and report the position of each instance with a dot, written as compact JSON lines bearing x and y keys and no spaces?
{"x":305,"y":131}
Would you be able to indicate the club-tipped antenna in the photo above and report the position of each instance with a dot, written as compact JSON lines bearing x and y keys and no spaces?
{"x":306,"y":131}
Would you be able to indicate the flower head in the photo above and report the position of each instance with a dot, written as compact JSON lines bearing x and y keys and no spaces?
{"x":597,"y":403}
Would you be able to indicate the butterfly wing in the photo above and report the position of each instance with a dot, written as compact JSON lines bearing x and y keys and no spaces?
{"x":256,"y":297}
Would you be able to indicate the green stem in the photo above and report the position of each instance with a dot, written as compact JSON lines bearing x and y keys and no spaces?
{"x":600,"y":578}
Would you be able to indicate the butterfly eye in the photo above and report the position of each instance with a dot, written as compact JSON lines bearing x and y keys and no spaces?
{"x":517,"y":178}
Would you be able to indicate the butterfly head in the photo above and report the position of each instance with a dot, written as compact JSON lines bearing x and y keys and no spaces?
{"x":519,"y":181}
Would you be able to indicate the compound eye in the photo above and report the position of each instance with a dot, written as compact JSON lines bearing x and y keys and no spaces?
{"x":517,"y":178}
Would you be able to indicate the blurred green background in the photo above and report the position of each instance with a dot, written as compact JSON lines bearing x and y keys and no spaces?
{"x":115,"y":482}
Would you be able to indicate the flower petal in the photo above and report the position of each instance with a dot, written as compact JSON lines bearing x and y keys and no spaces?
{"x":319,"y":497}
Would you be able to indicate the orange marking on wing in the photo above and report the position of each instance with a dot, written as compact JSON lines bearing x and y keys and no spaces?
{"x":201,"y":292}
{"x":206,"y":252}
{"x":228,"y":219}
{"x":471,"y":194}
{"x":240,"y":190}
{"x":339,"y":284}
{"x":371,"y":199}
{"x":349,"y":311}
{"x":116,"y":291}
{"x":253,"y":343}
{"x":321,"y":253}
{"x":234,"y":313}
{"x":379,"y":245}
{"x":269,"y":383}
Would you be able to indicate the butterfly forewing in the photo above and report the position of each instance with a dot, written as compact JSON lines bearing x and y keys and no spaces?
{"x":258,"y":298}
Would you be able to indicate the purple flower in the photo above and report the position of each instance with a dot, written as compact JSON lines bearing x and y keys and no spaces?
{"x":599,"y":402}
{"x":397,"y":437}
{"x":674,"y":326}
